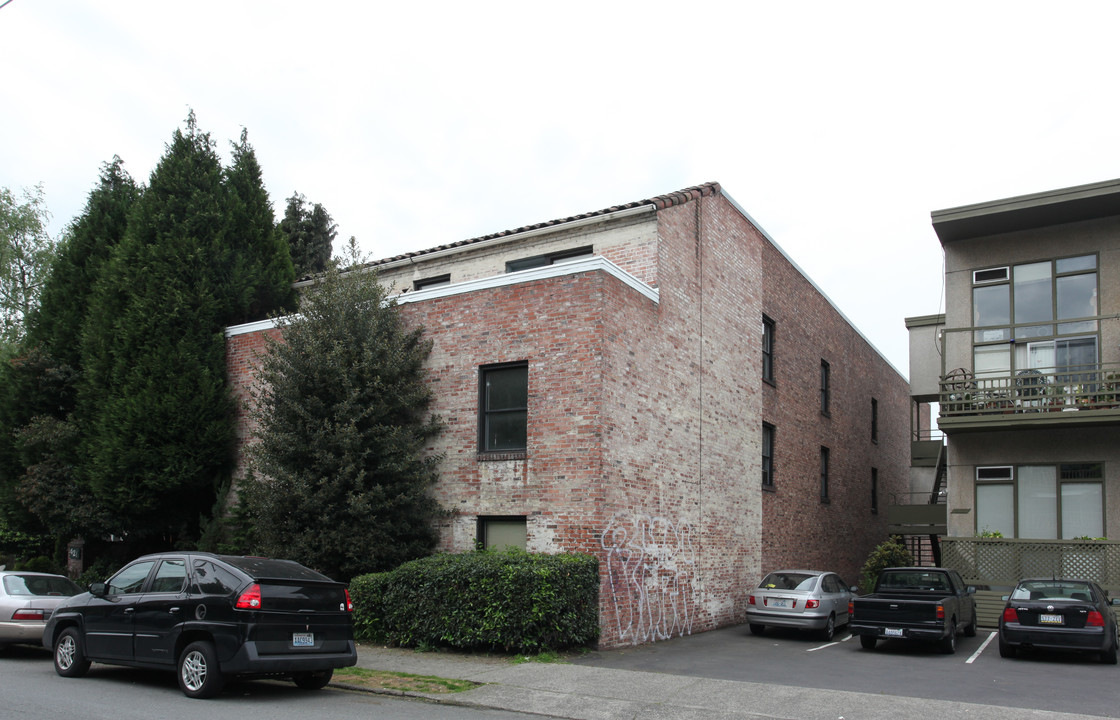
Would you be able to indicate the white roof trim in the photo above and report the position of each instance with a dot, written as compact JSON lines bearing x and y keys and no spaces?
{"x":561,"y":268}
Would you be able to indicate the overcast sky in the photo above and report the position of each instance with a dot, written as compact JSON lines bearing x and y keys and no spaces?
{"x":838,"y":127}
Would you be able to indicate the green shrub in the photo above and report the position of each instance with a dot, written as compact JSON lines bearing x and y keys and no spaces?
{"x":890,"y":553}
{"x":513,"y":601}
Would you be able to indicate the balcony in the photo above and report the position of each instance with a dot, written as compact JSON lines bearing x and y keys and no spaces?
{"x":1071,"y":397}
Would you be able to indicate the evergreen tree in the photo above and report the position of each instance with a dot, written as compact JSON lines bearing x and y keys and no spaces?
{"x":157,"y":419}
{"x":341,"y":480}
{"x":310,"y":235}
{"x":260,"y":272}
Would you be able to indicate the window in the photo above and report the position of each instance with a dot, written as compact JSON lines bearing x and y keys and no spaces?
{"x":767,"y":349}
{"x":1024,"y":316}
{"x":826,"y":382}
{"x":824,"y":474}
{"x":502,"y":532}
{"x":211,"y":579}
{"x":431,"y":281}
{"x":874,"y":420}
{"x":767,"y":455}
{"x":874,"y":491}
{"x":503,"y":408}
{"x":549,"y":259}
{"x":1041,"y":501}
{"x":131,"y":579}
{"x":170,"y":577}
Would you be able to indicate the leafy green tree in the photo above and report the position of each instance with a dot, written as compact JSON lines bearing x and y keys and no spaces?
{"x":260,"y":269}
{"x":156,"y":416}
{"x":310,"y":233}
{"x":341,"y":480}
{"x":26,"y":251}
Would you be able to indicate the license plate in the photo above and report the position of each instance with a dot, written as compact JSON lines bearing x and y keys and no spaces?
{"x":1050,"y":619}
{"x":303,"y":639}
{"x":778,"y":602}
{"x":892,"y":632}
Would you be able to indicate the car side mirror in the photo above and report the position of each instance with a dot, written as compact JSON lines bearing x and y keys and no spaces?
{"x":1005,"y":598}
{"x":971,"y":589}
{"x":1114,"y":601}
{"x":854,"y":589}
{"x":97,"y":589}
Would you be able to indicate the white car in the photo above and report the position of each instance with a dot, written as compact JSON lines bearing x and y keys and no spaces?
{"x":27,"y":599}
{"x":814,"y":600}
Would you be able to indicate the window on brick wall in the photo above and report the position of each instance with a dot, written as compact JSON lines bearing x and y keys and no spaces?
{"x":767,"y":455}
{"x":874,"y":490}
{"x":503,"y":407}
{"x":874,"y":420}
{"x":502,"y":532}
{"x":824,"y":473}
{"x":826,"y":387}
{"x":767,"y":349}
{"x":431,"y":281}
{"x":549,"y":259}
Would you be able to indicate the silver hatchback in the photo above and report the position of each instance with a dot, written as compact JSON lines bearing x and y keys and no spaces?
{"x":814,"y":600}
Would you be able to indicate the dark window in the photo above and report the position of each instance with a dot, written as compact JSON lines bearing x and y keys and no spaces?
{"x":503,"y":408}
{"x":170,"y":576}
{"x":767,"y":455}
{"x":826,"y":386}
{"x":824,"y":474}
{"x":212,"y":579}
{"x":549,"y":259}
{"x":131,"y":579}
{"x":502,"y":532}
{"x":767,"y":349}
{"x":874,"y":420}
{"x":875,"y":490}
{"x":431,"y":281}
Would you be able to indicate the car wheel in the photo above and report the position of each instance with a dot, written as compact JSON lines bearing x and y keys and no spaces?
{"x":757,"y":629}
{"x":199,"y":675}
{"x":868,"y":641}
{"x":829,"y":629}
{"x":1108,"y":657}
{"x":949,"y":644}
{"x":1006,"y":649}
{"x":69,"y":657}
{"x":313,"y":680}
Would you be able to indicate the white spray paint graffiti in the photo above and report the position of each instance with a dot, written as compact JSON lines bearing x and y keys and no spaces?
{"x":651,"y":568}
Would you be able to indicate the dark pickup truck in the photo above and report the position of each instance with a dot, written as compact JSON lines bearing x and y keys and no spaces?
{"x":915,"y":603}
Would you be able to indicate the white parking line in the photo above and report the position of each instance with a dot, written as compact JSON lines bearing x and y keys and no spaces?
{"x":822,"y":647}
{"x":981,"y":648}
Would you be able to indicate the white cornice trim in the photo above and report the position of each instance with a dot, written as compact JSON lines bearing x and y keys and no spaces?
{"x":565,"y":267}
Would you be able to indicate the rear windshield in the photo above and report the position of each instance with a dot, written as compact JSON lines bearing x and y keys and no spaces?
{"x":258,"y":568}
{"x":1053,"y":590}
{"x":42,"y":585}
{"x":914,"y":580}
{"x":788,"y":581}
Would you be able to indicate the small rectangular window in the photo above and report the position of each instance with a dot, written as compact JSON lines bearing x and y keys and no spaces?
{"x":504,"y":407}
{"x":767,"y":349}
{"x":874,"y":491}
{"x":499,"y":533}
{"x":431,"y":281}
{"x":826,"y":387}
{"x":987,"y":276}
{"x":767,"y":455}
{"x":874,"y":420}
{"x":824,"y":474}
{"x":548,"y":259}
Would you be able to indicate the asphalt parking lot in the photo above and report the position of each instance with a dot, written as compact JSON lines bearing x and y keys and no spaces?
{"x":1063,"y":682}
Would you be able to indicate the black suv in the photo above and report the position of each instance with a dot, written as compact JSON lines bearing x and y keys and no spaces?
{"x":208,"y":617}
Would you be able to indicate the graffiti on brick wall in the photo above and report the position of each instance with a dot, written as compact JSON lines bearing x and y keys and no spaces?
{"x":651,"y":571}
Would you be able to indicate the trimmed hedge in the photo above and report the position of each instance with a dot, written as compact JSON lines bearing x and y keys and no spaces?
{"x":513,"y":601}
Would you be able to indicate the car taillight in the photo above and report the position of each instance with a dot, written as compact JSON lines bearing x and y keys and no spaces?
{"x":750,"y":600}
{"x":851,"y":609}
{"x":940,"y":612}
{"x":250,"y":599}
{"x":1009,"y":615}
{"x":810,"y":604}
{"x":349,"y":602}
{"x":34,"y":614}
{"x":1094,"y":619}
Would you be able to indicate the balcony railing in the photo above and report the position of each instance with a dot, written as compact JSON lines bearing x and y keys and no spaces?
{"x":1093,"y":388}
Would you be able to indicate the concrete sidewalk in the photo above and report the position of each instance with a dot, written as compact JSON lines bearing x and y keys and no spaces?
{"x":583,"y":692}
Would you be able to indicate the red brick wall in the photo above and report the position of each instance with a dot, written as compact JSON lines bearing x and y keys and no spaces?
{"x":645,"y":421}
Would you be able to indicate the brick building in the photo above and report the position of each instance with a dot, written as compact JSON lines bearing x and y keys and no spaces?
{"x":658,"y":384}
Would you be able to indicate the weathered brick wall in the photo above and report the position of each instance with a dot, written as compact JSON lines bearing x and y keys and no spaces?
{"x":645,"y":419}
{"x":798,"y":529}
